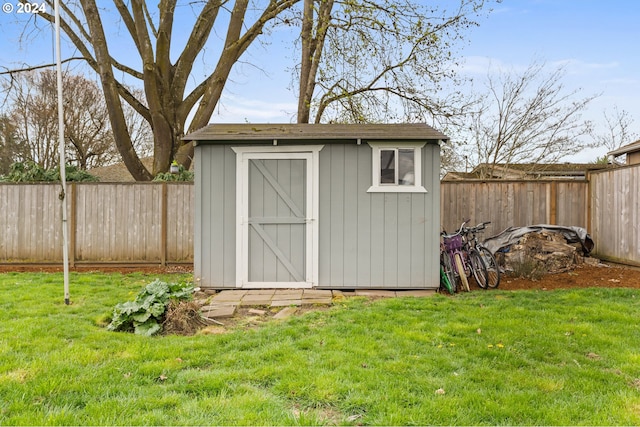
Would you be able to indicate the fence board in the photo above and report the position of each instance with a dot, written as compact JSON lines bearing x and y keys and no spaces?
{"x":110,"y":222}
{"x":123,"y":222}
{"x":513,"y":203}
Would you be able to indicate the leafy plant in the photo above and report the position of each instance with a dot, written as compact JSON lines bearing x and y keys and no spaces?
{"x":182,"y":175}
{"x":145,"y":314}
{"x":33,"y":172}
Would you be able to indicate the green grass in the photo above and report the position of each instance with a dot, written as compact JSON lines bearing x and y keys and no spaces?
{"x":498,"y":358}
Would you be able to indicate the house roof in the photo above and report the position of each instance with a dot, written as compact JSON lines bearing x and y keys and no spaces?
{"x":118,"y":172}
{"x":311,"y":133}
{"x":629,"y":148}
{"x":526,"y":171}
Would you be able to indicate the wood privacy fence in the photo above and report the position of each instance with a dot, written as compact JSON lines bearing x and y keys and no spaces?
{"x":607,"y":204}
{"x":108,"y":223}
{"x":615,"y":214}
{"x":153,"y":222}
{"x":513,"y":203}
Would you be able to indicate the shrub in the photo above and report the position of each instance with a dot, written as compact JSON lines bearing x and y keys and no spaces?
{"x":145,"y":315}
{"x":182,"y":175}
{"x":33,"y":172}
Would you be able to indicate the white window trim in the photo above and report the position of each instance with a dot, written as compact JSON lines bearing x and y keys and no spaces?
{"x":376,"y":187}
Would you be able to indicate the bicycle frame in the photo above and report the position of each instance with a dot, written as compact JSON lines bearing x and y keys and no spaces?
{"x":453,"y":245}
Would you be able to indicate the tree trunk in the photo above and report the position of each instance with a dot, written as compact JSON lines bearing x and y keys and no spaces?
{"x":112,"y":97}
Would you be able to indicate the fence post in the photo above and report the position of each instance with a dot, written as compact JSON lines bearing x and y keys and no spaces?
{"x":553,"y":204}
{"x":163,"y":226}
{"x":73,"y":217}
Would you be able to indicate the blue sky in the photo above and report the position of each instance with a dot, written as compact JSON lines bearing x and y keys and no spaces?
{"x":596,"y":41}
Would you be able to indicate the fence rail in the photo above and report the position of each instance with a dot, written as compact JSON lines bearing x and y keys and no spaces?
{"x":153,"y":222}
{"x":108,"y":223}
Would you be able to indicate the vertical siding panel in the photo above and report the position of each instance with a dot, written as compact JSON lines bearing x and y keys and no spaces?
{"x":324,"y":220}
{"x":377,"y":214}
{"x":213,"y":193}
{"x":363,"y":222}
{"x":390,"y":227}
{"x":351,"y":215}
{"x":432,"y":208}
{"x":337,"y":214}
{"x":227,"y":251}
{"x":200,"y":274}
{"x":404,"y":231}
{"x":420,"y":211}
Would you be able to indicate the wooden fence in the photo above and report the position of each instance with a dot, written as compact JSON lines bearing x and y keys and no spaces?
{"x":513,"y":203}
{"x":615,"y":214}
{"x":108,"y":223}
{"x":153,"y":222}
{"x":607,"y":204}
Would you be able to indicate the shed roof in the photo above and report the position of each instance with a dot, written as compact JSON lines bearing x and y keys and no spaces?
{"x":310,"y":133}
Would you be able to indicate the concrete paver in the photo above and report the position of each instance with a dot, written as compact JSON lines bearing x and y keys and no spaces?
{"x":285,"y":302}
{"x":297,"y":297}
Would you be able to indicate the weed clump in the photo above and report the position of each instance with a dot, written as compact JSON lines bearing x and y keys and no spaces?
{"x":146,"y":314}
{"x":183,"y":318}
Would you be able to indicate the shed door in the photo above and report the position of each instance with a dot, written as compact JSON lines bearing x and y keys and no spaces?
{"x":277,"y":222}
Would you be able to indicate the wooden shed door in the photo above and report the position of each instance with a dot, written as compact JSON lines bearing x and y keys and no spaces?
{"x":278,"y":227}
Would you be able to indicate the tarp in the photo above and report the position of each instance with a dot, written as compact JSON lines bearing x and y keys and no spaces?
{"x":512,"y":235}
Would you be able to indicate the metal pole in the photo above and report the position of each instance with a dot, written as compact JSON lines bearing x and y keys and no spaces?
{"x":63,"y":162}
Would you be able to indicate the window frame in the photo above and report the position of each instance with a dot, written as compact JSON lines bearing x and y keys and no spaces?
{"x":377,"y":187}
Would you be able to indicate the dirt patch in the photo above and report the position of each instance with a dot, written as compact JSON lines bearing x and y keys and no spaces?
{"x":128,"y":269}
{"x":582,"y":276}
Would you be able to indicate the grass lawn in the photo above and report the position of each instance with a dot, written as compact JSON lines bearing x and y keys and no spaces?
{"x":482,"y":358}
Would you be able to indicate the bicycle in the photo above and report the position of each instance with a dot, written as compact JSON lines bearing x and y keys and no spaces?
{"x":447,"y":276}
{"x":453,"y":245}
{"x":472,"y":244}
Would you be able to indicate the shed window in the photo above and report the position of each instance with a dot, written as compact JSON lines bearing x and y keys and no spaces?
{"x":397,"y":168}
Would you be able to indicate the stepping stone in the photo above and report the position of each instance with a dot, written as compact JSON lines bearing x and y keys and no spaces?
{"x":316,"y":293}
{"x":287,"y":294}
{"x":251,"y":299}
{"x":285,"y":302}
{"x":285,"y":312}
{"x":218,"y":311}
{"x":261,"y":292}
{"x":226,"y":296}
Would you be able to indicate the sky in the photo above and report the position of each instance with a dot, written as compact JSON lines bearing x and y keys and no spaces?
{"x":596,"y":42}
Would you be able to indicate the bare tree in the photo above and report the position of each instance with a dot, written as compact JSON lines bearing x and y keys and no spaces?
{"x":33,"y":113}
{"x":33,"y":108}
{"x":385,"y":60}
{"x":527,"y":118}
{"x":165,"y":71}
{"x":618,"y":130}
{"x":10,"y":149}
{"x":380,"y":54}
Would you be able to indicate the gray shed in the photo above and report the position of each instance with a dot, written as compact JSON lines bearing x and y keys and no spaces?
{"x":317,"y":206}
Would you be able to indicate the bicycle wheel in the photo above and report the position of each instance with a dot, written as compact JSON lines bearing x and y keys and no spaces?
{"x":493,"y":270}
{"x":445,"y":284}
{"x":478,"y":268}
{"x":460,"y":269}
{"x":448,"y":270}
